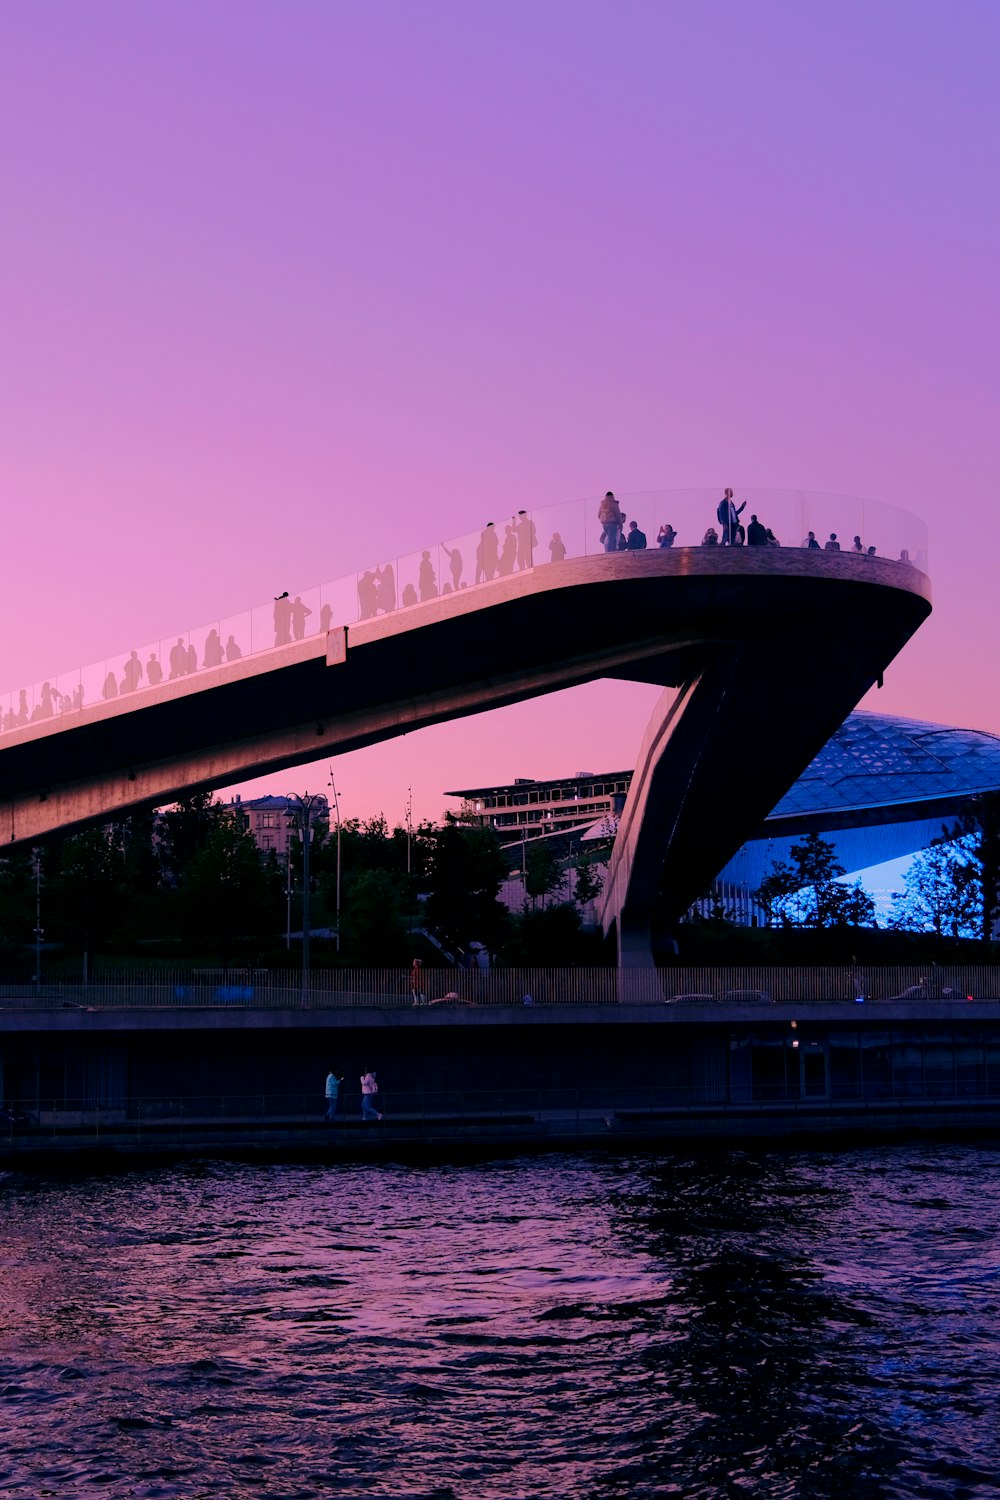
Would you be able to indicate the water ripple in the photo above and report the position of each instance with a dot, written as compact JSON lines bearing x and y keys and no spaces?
{"x":734,"y":1325}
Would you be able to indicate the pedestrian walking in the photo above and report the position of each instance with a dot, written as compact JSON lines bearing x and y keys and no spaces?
{"x":369,"y":1088}
{"x":332,"y":1093}
{"x":416,"y":982}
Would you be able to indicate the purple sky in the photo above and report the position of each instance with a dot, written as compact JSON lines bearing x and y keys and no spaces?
{"x":289,"y":287}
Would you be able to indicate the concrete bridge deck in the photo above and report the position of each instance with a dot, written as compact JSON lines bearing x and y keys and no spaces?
{"x":768,"y":649}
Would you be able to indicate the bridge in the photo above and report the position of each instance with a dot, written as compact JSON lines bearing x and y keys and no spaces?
{"x":762,"y":652}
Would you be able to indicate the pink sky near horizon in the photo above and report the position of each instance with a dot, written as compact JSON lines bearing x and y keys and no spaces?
{"x":288,"y":288}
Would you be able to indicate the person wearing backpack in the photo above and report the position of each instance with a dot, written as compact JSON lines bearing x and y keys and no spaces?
{"x":727,"y":513}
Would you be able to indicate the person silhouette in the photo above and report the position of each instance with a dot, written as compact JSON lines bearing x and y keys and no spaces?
{"x":557,"y":548}
{"x":282,"y":620}
{"x":727,"y":514}
{"x":386,"y":593}
{"x":454,"y":565}
{"x":131,"y":673}
{"x":178,"y":659}
{"x":44,"y":708}
{"x":527,"y":540}
{"x":78,"y":695}
{"x":409,"y":596}
{"x":154,"y":672}
{"x":487,"y":553}
{"x":426,"y":581}
{"x":233,"y":652}
{"x":192,"y":658}
{"x":368,"y":595}
{"x":326,"y":618}
{"x":300,"y":614}
{"x":214,"y":654}
{"x":23,"y":712}
{"x":610,"y":516}
{"x":110,"y":688}
{"x":508,"y":554}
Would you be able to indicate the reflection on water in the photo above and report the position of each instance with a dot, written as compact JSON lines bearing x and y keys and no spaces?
{"x":812,"y":1325}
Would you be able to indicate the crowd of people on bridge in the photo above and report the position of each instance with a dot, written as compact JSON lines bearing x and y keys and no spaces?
{"x":496,"y":556}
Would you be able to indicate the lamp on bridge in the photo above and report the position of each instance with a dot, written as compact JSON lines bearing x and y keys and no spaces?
{"x":336,"y":807}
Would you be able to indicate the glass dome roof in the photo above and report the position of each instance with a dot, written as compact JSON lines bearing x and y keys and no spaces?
{"x":879,"y":760}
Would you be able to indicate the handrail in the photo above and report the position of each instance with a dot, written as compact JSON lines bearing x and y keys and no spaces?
{"x":455,"y":991}
{"x":531,"y":538}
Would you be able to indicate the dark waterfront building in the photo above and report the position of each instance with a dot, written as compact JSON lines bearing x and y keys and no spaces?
{"x":219,"y":1077}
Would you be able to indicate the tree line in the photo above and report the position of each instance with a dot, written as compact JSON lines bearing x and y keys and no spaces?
{"x":190,"y":883}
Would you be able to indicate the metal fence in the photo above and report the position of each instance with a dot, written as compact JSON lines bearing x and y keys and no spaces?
{"x":455,"y":989}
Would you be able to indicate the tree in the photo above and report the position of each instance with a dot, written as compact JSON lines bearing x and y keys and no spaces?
{"x":184,"y":830}
{"x":980,"y":825}
{"x":17,"y":899}
{"x":589,"y":883}
{"x":467,"y":868}
{"x":809,"y":893}
{"x":542,"y":873}
{"x":942,"y":892}
{"x":549,"y":938}
{"x":374,"y":918}
{"x":85,"y":889}
{"x":229,"y":893}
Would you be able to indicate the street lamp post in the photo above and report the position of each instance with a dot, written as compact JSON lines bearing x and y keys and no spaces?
{"x":409,"y":829}
{"x":37,"y":856}
{"x":336,"y":808}
{"x":302,"y":816}
{"x":288,"y":896}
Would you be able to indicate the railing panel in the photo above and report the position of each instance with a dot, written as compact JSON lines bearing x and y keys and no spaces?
{"x":539,"y":536}
{"x":455,"y":989}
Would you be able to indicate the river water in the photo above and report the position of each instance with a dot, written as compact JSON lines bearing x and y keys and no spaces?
{"x":731,"y":1325}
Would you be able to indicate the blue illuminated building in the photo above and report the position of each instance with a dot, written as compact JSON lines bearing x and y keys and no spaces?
{"x":881,"y":788}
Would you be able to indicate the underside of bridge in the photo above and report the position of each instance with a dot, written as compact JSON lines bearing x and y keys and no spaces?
{"x":765,"y":651}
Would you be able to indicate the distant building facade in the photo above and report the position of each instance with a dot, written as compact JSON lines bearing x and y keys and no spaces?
{"x":273,"y":820}
{"x":882,"y":787}
{"x":529,"y":809}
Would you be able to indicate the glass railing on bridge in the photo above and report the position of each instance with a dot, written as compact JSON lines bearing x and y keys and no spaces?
{"x":529,"y":538}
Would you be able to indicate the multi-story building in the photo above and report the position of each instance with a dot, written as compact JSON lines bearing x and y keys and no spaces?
{"x":273,"y":820}
{"x":528,"y":809}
